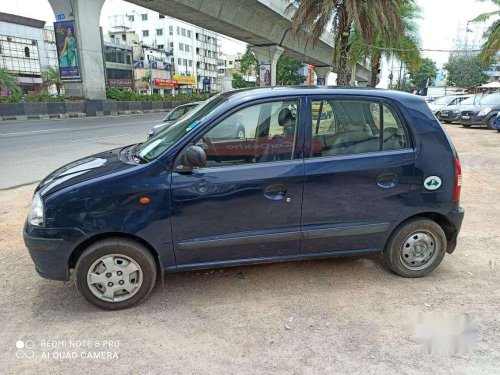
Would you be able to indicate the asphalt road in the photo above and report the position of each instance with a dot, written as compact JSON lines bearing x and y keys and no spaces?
{"x":30,"y":150}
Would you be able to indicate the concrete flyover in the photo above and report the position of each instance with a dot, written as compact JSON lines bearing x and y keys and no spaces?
{"x":262,"y":23}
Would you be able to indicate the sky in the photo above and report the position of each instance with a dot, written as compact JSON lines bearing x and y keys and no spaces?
{"x":438,"y":24}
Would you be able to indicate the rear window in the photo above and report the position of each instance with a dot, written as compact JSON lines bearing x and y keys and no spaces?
{"x":346,"y":127}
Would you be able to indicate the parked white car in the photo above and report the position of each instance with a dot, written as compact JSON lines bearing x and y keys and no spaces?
{"x":445,"y":101}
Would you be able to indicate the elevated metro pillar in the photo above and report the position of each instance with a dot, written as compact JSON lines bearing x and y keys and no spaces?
{"x":322,"y":74}
{"x":268,"y":57}
{"x":86,"y":14}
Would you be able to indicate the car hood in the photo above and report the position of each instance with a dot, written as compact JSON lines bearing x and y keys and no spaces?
{"x":90,"y":167}
{"x":459,"y":107}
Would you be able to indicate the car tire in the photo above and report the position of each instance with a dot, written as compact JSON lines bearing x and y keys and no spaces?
{"x":490,"y":123}
{"x":115,"y":262}
{"x":415,"y":248}
{"x":466,"y":126}
{"x":447,"y":122}
{"x":240,"y":134}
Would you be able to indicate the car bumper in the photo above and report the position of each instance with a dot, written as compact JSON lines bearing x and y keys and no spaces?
{"x":456,"y":216}
{"x":50,"y":249}
{"x":474,"y":120}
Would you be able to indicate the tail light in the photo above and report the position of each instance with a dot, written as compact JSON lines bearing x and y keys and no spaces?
{"x":458,"y":180}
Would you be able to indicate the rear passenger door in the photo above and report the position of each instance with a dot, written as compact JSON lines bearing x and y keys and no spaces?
{"x":358,"y":170}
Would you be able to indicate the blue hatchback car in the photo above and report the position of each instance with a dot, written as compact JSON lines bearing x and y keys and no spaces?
{"x":320,"y":172}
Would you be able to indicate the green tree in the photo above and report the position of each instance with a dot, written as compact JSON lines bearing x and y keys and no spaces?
{"x":365,"y":17}
{"x":8,"y":81}
{"x":404,"y":46}
{"x":238,"y":82}
{"x":248,"y":62}
{"x":492,"y":35}
{"x":51,"y":76}
{"x":466,"y":71}
{"x":425,"y":74}
{"x":287,"y":71}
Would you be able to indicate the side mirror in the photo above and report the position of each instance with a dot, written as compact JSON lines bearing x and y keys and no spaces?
{"x":193,"y":156}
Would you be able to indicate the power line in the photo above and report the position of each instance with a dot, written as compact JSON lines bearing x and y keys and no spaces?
{"x":426,"y":49}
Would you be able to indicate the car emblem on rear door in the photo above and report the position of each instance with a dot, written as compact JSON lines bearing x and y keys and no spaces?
{"x":432,"y":183}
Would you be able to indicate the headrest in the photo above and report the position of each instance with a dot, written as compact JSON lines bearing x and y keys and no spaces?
{"x":284,"y":116}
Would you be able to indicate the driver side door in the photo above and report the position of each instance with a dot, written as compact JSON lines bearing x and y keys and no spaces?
{"x":245,"y":203}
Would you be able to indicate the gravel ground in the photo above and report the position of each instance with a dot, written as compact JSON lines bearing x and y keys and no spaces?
{"x":322,"y":316}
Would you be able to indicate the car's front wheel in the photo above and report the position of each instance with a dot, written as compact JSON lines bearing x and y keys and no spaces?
{"x":490,"y":123}
{"x":415,"y":248}
{"x":240,"y":134}
{"x":466,"y":126}
{"x":115,"y":273}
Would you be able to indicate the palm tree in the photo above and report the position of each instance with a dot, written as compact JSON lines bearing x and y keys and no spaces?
{"x":366,"y":17}
{"x":8,"y":81}
{"x":492,"y":44}
{"x":51,"y":77}
{"x":404,"y":46}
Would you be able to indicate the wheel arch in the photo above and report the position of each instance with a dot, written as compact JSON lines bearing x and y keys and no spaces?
{"x":78,"y":251}
{"x":448,"y":228}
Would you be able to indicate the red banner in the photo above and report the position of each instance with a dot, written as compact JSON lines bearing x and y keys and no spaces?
{"x":160,"y":82}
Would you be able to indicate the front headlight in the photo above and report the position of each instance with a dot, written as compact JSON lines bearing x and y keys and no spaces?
{"x":484,"y":112}
{"x":35,"y":216}
{"x":150,"y":132}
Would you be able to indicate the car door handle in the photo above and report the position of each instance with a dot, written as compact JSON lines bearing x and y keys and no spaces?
{"x":387,"y":180}
{"x":275,"y":192}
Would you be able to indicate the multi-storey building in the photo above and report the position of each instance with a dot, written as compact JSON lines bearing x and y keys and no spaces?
{"x":27,"y":48}
{"x":193,"y":51}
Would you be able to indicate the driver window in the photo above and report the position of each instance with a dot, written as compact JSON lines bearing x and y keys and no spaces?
{"x":256,"y":134}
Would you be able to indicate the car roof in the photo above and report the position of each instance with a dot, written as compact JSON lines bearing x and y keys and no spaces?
{"x":276,"y":91}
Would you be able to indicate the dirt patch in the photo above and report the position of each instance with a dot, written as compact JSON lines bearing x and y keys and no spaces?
{"x":323,"y":316}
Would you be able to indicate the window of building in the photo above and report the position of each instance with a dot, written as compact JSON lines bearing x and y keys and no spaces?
{"x":185,"y":62}
{"x":190,"y":63}
{"x":144,"y":17}
{"x":346,"y":127}
{"x":189,"y":33}
{"x":130,"y":18}
{"x":183,"y":32}
{"x":257,"y":134}
{"x":186,"y":48}
{"x":159,"y":32}
{"x":171,"y":30}
{"x":171,"y":44}
{"x":179,"y":61}
{"x":118,"y":73}
{"x":145,"y":33}
{"x":181,"y":46}
{"x":178,"y":30}
{"x":160,"y":46}
{"x":26,"y":52}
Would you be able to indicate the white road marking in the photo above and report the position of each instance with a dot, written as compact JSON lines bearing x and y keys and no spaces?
{"x":36,"y":131}
{"x":93,"y":139}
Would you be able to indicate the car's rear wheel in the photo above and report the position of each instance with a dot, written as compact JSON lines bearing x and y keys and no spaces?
{"x":415,"y":248}
{"x":447,"y":121}
{"x":115,"y":273}
{"x":466,"y":126}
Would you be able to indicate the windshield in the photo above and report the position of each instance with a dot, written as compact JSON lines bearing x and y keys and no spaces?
{"x":493,"y":99}
{"x":158,"y":144}
{"x":175,"y":114}
{"x":444,"y":100}
{"x":470,"y":100}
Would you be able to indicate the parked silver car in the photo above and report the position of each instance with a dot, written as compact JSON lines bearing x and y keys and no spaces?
{"x":172,"y":116}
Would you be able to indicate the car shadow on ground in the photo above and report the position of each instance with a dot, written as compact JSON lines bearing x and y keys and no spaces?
{"x":267,"y":281}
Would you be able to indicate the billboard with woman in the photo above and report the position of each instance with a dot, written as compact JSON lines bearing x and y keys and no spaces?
{"x":67,"y":50}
